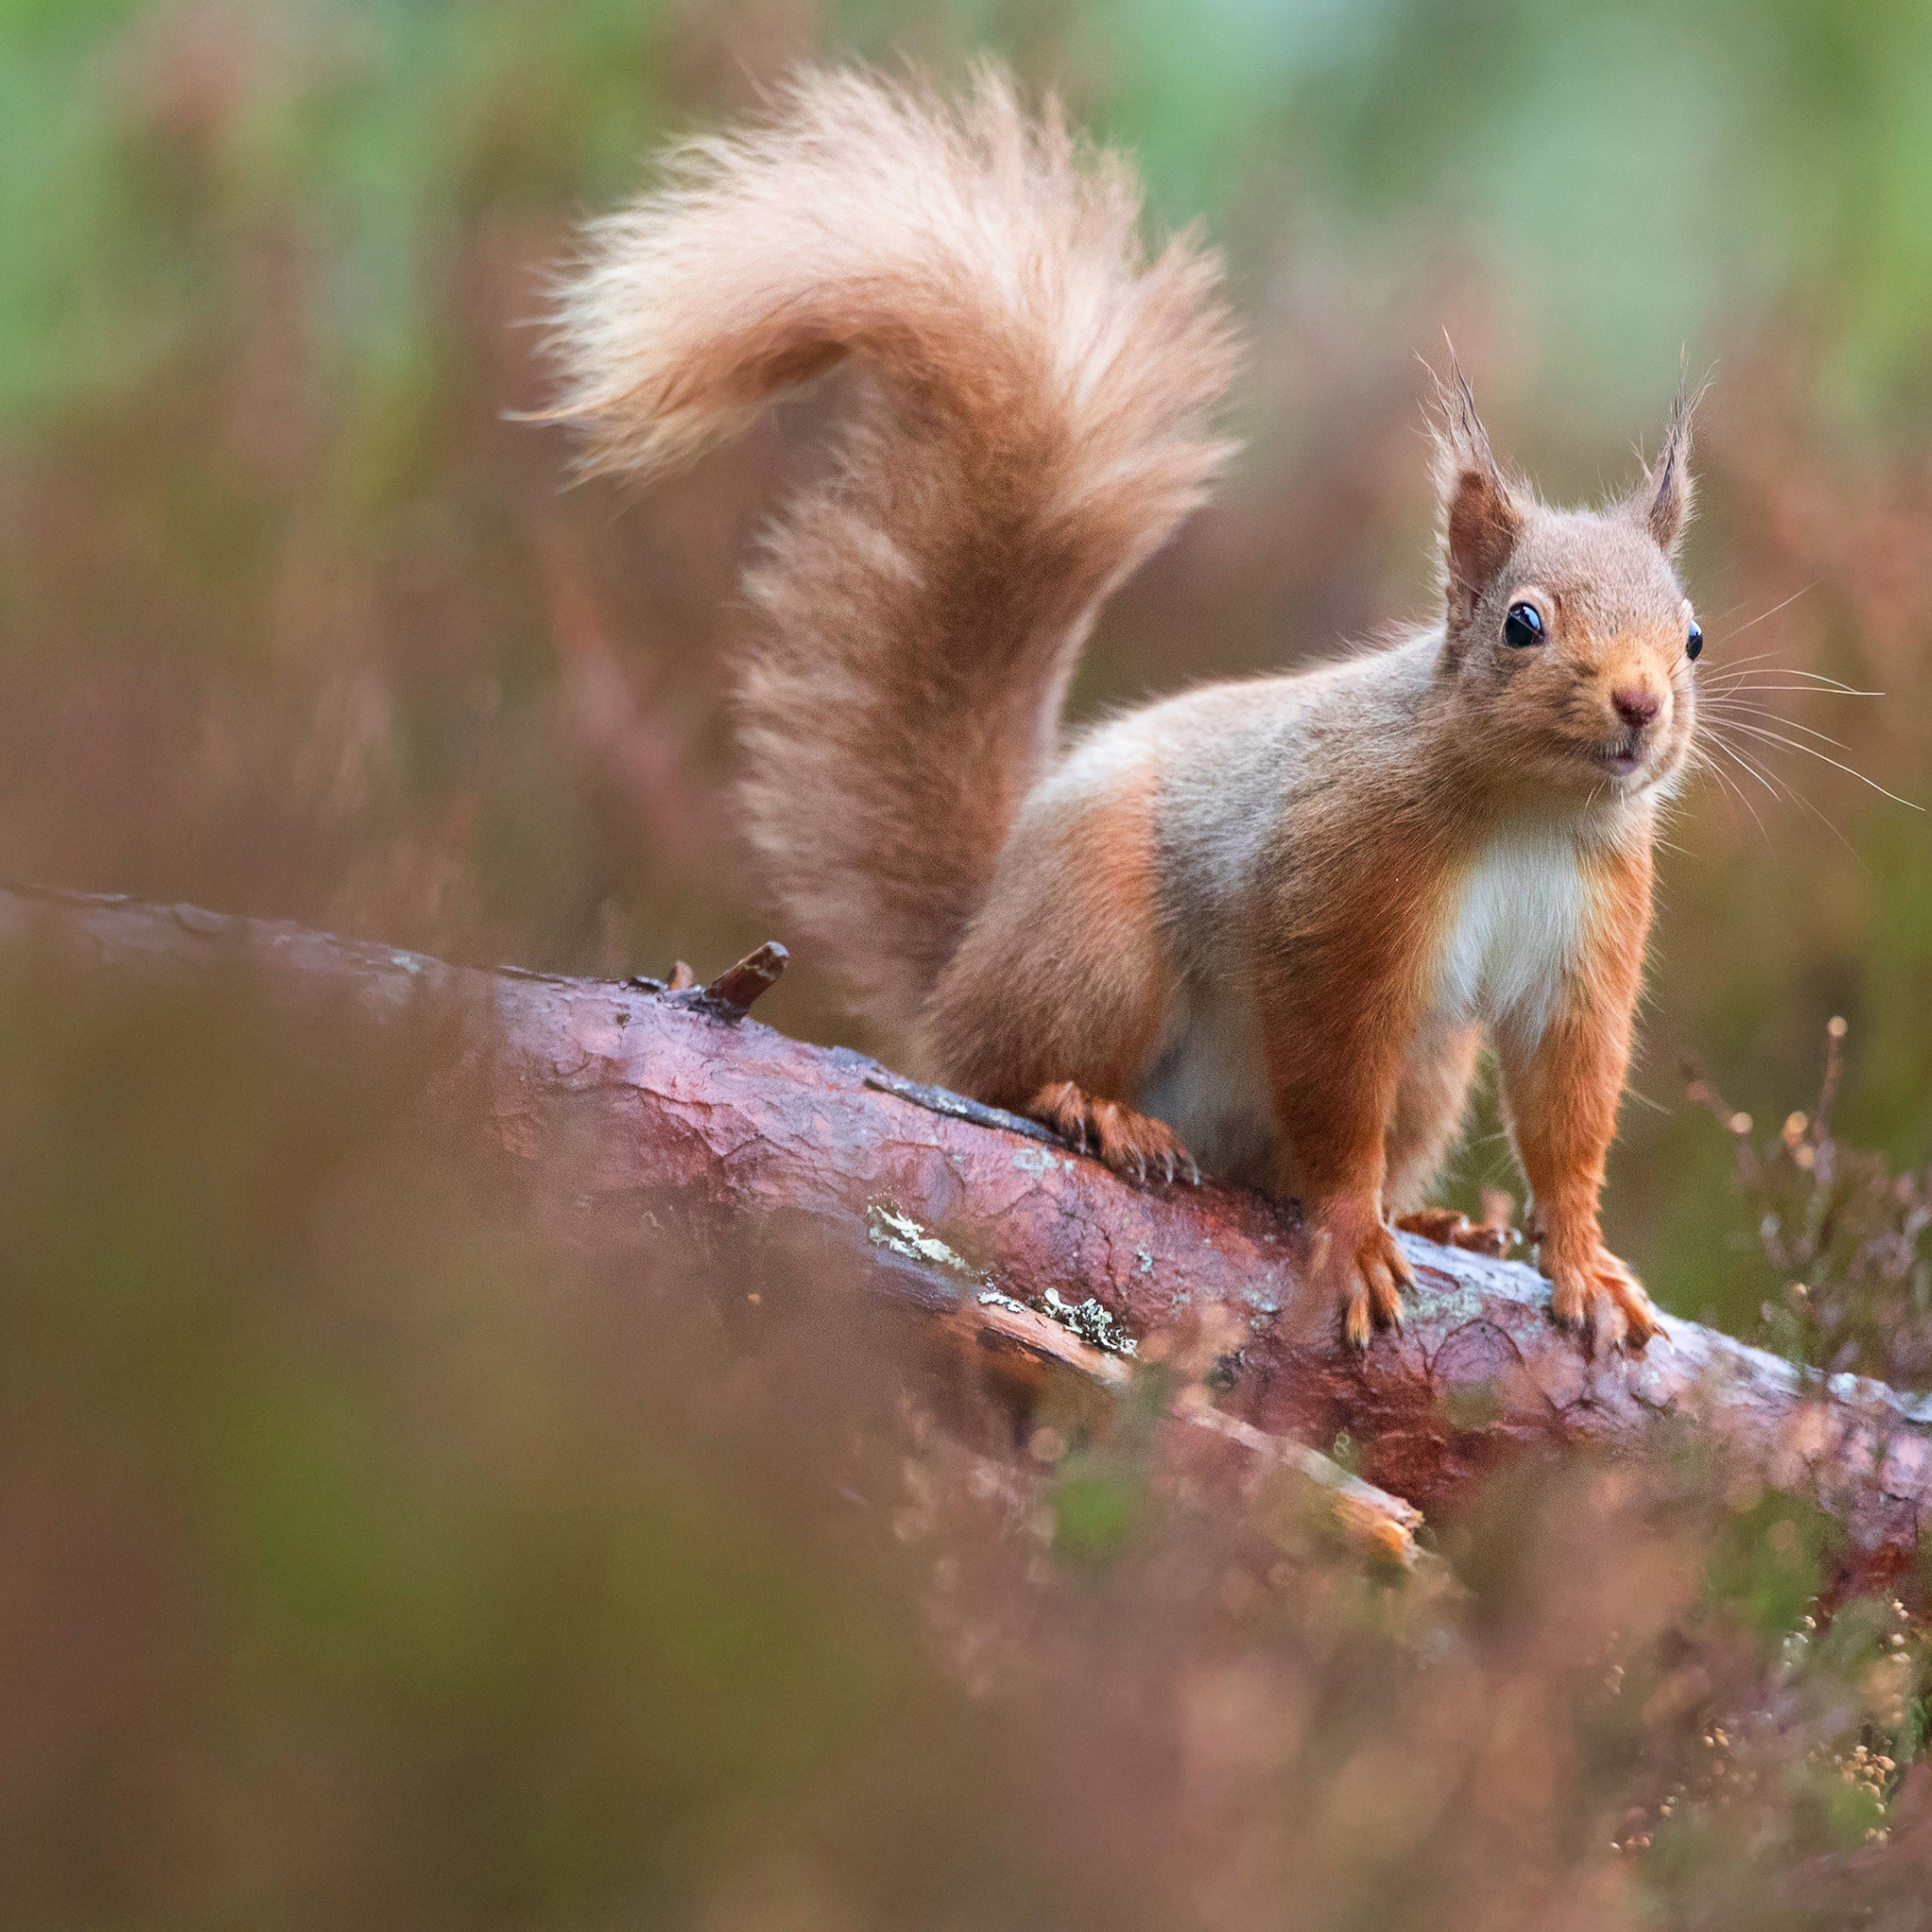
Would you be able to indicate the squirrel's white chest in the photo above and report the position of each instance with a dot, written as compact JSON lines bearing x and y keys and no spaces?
{"x":1515,"y":930}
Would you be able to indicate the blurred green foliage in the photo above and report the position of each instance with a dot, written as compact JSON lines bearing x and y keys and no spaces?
{"x":1636,"y":177}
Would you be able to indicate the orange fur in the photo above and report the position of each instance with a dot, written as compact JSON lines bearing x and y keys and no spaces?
{"x":1430,"y":1102}
{"x":1064,"y":975}
{"x":1338,"y":980}
{"x":1561,"y":1092}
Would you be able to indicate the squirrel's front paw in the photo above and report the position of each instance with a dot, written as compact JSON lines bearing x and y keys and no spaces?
{"x":1355,"y":1258}
{"x":1134,"y":1144}
{"x":1601,"y":1297}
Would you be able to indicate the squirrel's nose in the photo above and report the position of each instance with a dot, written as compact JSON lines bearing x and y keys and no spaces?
{"x":1636,"y":704}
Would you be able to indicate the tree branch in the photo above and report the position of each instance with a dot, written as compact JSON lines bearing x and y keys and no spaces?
{"x":670,"y":1110}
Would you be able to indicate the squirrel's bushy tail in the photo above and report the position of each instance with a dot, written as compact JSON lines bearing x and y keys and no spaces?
{"x":1035,"y":425}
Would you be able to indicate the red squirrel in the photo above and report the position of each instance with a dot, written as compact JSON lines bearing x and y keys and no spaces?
{"x":1259,"y":925}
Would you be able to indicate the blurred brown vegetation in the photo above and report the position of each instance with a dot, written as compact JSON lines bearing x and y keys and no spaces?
{"x":365,"y":1559}
{"x":373,"y":1557}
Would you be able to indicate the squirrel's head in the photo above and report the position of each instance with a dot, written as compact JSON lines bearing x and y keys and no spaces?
{"x":1567,"y":635}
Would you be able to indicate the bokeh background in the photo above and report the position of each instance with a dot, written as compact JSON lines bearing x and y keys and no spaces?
{"x":298,"y":619}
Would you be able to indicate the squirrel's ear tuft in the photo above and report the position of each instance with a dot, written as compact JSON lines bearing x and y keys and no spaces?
{"x":1662,"y":502}
{"x":1482,"y":511}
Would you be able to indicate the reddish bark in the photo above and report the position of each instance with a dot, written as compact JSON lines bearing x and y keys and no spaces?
{"x":672,"y":1105}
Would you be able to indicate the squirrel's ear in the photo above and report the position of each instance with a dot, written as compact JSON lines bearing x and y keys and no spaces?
{"x":1662,"y":502}
{"x":1482,"y":512}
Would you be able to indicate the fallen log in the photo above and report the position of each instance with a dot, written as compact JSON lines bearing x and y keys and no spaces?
{"x":672,"y":1112}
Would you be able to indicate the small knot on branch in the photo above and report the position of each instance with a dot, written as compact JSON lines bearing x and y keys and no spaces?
{"x":734,"y":989}
{"x":732,"y":994}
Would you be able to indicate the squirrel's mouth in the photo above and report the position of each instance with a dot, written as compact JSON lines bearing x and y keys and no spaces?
{"x":1623,"y":758}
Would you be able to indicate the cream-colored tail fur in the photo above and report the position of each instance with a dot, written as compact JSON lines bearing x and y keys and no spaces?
{"x":1036,"y":426}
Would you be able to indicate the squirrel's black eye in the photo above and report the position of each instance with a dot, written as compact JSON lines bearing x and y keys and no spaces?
{"x":1525,"y":625}
{"x":1694,"y":642}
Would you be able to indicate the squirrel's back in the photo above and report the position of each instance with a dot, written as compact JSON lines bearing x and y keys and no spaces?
{"x":1035,"y":425}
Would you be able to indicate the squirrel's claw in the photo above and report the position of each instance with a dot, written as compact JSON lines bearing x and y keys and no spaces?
{"x":1608,"y":1327}
{"x":1136,"y":1146}
{"x":1601,"y":1299}
{"x":1356,"y":1252}
{"x":1356,"y":1328}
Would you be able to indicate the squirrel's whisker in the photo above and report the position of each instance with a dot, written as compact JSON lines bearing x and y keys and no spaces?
{"x":1779,"y":784}
{"x":1739,"y":670}
{"x":1730,"y":612}
{"x":1762,"y":615}
{"x":1756,"y":657}
{"x":1765,"y":664}
{"x":1731,"y":710}
{"x":1797,"y":745}
{"x":1816,"y":683}
{"x":1731,"y":752}
{"x":1703,"y":762}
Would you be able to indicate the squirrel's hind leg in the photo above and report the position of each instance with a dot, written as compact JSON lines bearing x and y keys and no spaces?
{"x":1449,"y":1227}
{"x":1061,"y":986}
{"x":1129,"y":1142}
{"x":1430,"y":1106}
